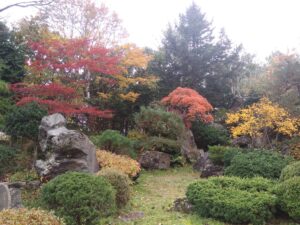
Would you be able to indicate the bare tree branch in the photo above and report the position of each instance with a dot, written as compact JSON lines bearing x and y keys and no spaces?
{"x":26,"y":4}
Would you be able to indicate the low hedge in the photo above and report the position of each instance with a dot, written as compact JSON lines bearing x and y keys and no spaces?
{"x":120,"y":182}
{"x":222,"y":199}
{"x":257,"y":163}
{"x":288,"y":193}
{"x":222,"y":155}
{"x":292,"y":170}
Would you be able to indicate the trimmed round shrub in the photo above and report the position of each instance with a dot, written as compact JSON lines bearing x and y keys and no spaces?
{"x":290,"y":171}
{"x":25,"y":216}
{"x":231,"y":203}
{"x":158,"y":122}
{"x":121,"y":184}
{"x":288,"y":194}
{"x":208,"y":134}
{"x":112,"y":140}
{"x":118,"y":162}
{"x":161,"y":144}
{"x":79,"y":198}
{"x":257,"y":163}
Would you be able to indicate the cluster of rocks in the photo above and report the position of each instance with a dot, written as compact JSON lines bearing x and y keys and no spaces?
{"x":61,"y":150}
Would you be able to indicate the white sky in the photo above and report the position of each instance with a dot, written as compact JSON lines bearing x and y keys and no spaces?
{"x":262,"y":26}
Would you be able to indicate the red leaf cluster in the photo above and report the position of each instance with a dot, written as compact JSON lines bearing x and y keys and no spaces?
{"x":189,"y":104}
{"x":56,"y":98}
{"x":71,"y":56}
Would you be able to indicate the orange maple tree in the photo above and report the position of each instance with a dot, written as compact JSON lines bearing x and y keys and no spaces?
{"x":189,"y":104}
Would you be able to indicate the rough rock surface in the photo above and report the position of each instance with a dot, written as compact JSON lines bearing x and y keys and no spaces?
{"x":155,"y":160}
{"x":10,"y":197}
{"x":182,"y":205}
{"x":189,"y":148}
{"x":243,"y":142}
{"x":206,"y":167}
{"x":63,"y":150}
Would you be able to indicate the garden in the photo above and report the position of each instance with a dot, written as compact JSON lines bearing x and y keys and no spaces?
{"x":96,"y":131}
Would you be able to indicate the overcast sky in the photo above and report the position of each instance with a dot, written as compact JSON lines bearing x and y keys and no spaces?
{"x":262,"y":26}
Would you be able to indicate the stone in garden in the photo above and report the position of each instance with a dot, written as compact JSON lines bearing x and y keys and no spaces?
{"x":182,"y":205}
{"x":5,"y":200}
{"x":242,"y":142}
{"x":155,"y":160}
{"x":189,"y":148}
{"x":10,"y":197}
{"x":63,"y":150}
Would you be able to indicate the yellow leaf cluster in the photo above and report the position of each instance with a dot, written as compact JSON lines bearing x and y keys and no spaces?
{"x":133,"y":57}
{"x":118,"y":162}
{"x":263,"y":114}
{"x":130,"y":96}
{"x":104,"y":96}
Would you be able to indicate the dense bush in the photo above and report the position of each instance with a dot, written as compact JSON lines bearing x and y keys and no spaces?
{"x":112,"y":140}
{"x":288,"y":193}
{"x":257,"y":163}
{"x":290,"y":171}
{"x":121,"y":184}
{"x":162,"y":145}
{"x":7,"y":159}
{"x":223,"y":199}
{"x":222,"y":155}
{"x":122,"y":163}
{"x":25,"y":216}
{"x":158,"y":122}
{"x":255,"y":184}
{"x":79,"y":198}
{"x":207,"y":134}
{"x":24,"y":121}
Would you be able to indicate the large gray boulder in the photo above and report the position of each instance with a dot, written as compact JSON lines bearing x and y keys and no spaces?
{"x":155,"y":160}
{"x":63,"y":150}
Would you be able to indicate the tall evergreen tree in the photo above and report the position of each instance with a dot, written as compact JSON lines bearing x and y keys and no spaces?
{"x":11,"y":57}
{"x":191,"y":56}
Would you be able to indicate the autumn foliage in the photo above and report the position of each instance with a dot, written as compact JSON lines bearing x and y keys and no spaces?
{"x":189,"y":104}
{"x":56,"y":98}
{"x":71,"y":56}
{"x":262,"y":119}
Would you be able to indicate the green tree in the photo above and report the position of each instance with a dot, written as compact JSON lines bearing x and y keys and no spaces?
{"x":191,"y":56}
{"x":11,"y":57}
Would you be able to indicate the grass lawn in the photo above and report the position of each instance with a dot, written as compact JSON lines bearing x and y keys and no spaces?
{"x":153,"y":196}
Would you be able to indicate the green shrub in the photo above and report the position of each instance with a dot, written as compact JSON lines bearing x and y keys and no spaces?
{"x":288,"y":193}
{"x":206,"y":134}
{"x":158,"y":122}
{"x":79,"y":198}
{"x":162,"y":145}
{"x":121,"y":184}
{"x":224,"y":200}
{"x":230,"y":153}
{"x":25,"y":175}
{"x":24,"y":121}
{"x":290,"y":171}
{"x":257,"y":163}
{"x":112,"y":140}
{"x":219,"y":154}
{"x":7,"y":159}
{"x":255,"y":184}
{"x":25,"y":216}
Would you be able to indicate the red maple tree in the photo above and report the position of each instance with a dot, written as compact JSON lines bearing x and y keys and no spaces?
{"x":56,"y":98}
{"x":189,"y":104}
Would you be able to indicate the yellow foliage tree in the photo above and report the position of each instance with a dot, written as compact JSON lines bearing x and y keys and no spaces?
{"x":262,"y":119}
